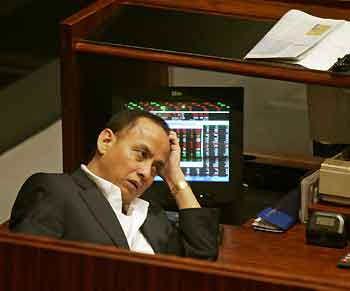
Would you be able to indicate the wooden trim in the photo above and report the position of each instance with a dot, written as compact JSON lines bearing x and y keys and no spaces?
{"x":288,"y":161}
{"x":248,"y":8}
{"x":324,"y":206}
{"x":263,"y":70}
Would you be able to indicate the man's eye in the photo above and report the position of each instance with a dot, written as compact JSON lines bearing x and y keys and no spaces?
{"x":140,"y":155}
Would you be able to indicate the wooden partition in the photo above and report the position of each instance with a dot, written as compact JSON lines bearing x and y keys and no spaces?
{"x":248,"y":261}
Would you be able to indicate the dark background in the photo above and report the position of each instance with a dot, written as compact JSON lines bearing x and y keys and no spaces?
{"x":29,"y":65}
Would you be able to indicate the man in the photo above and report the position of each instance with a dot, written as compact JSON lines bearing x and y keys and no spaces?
{"x":100,"y":202}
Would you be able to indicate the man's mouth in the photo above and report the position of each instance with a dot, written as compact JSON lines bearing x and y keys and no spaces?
{"x":134,"y":183}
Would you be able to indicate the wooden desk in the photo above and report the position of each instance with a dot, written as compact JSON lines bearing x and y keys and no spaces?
{"x":248,"y":260}
{"x":283,"y":259}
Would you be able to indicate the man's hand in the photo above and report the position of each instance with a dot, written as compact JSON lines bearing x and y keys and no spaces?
{"x":174,"y":177}
{"x":172,"y":172}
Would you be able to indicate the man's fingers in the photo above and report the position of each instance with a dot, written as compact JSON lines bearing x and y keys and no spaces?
{"x":173,"y":138}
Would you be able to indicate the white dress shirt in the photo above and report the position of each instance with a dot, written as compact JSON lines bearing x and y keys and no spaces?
{"x":130,"y":222}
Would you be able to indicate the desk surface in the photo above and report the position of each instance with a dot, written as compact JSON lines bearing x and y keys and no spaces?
{"x":284,"y":258}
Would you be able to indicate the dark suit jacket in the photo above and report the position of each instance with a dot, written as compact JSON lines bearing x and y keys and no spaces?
{"x":71,"y":207}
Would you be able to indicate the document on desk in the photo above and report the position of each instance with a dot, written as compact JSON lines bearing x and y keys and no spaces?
{"x":260,"y":224}
{"x":281,"y":216}
{"x":300,"y":38}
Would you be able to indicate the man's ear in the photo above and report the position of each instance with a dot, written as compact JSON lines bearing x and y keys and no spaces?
{"x":105,"y":140}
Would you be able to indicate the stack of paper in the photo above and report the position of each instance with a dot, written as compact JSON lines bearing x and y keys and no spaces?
{"x":261,"y":224}
{"x":281,"y":216}
{"x":300,"y":38}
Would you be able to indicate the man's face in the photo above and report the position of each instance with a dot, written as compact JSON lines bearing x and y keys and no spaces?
{"x":134,"y":157}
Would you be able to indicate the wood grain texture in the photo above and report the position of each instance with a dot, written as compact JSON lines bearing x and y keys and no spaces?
{"x":248,"y":260}
{"x":249,"y":68}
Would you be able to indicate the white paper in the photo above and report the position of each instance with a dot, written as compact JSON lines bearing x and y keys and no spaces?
{"x":261,"y":224}
{"x":301,"y":38}
{"x":328,"y":50}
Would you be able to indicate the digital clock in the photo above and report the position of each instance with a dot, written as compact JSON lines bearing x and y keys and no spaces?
{"x":326,"y":229}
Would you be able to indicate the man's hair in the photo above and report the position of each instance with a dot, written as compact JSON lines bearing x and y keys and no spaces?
{"x":126,"y":119}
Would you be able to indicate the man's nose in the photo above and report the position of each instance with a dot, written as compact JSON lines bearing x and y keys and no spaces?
{"x":145,"y":170}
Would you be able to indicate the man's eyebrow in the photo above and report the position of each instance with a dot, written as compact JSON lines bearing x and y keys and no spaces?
{"x":144,"y":148}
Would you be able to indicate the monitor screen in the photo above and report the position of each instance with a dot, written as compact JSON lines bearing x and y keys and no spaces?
{"x":209,"y":124}
{"x":203,"y":132}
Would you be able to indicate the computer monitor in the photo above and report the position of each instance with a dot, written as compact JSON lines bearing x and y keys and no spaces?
{"x":209,"y":123}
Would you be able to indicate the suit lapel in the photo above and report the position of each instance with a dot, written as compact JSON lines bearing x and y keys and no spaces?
{"x":152,"y":229}
{"x":100,"y":209}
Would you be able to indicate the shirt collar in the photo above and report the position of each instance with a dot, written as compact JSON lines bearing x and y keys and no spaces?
{"x":112,"y":192}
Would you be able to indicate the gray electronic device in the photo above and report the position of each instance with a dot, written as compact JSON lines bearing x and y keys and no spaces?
{"x":327,"y":229}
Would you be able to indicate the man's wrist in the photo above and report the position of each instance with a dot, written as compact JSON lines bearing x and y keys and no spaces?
{"x":178,"y":186}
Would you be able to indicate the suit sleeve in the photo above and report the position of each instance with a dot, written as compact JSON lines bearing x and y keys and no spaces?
{"x":195,"y":235}
{"x":39,"y":207}
{"x":199,"y":231}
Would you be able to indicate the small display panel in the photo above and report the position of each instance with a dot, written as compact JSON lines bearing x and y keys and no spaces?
{"x":203,"y":132}
{"x":326,"y":221}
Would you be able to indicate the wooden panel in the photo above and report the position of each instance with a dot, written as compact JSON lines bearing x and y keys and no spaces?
{"x":73,"y":123}
{"x":248,"y":260}
{"x":73,"y":28}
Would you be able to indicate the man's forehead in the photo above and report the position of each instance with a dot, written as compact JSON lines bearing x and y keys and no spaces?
{"x":146,"y":123}
{"x":143,"y":124}
{"x":152,"y":136}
